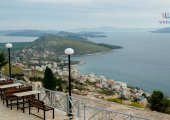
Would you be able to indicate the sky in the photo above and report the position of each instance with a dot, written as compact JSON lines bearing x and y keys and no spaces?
{"x":74,"y":14}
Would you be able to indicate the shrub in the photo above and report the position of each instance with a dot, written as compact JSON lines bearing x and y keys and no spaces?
{"x":107,"y":91}
{"x":158,"y":102}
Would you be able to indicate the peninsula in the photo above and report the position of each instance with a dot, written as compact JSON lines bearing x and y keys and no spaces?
{"x":54,"y":45}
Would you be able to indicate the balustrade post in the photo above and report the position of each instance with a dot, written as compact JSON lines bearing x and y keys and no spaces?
{"x":78,"y":111}
{"x":84,"y":112}
{"x":67,"y":104}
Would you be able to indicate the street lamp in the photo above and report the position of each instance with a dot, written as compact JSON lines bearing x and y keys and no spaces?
{"x":69,"y":51}
{"x":9,"y":46}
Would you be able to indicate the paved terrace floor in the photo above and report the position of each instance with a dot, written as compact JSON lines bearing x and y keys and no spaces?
{"x":153,"y":115}
{"x":14,"y":114}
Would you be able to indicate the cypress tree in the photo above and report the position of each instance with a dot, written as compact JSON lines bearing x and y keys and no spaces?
{"x":49,"y":81}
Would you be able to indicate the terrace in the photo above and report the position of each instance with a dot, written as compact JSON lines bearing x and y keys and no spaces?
{"x":83,"y":108}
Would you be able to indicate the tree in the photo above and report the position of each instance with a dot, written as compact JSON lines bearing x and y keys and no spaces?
{"x":155,"y":100}
{"x":159,"y":103}
{"x":165,"y":103}
{"x":49,"y":81}
{"x":3,"y":62}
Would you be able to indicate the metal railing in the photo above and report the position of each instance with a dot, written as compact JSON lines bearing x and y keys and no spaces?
{"x":76,"y":105}
{"x":96,"y":113}
{"x":61,"y":101}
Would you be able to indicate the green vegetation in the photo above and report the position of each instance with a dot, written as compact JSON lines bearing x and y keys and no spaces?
{"x":136,"y":104}
{"x":16,"y":45}
{"x":14,"y":70}
{"x":57,"y":45}
{"x":59,"y":84}
{"x":109,"y":46}
{"x":80,"y":87}
{"x":120,"y":100}
{"x":36,"y":79}
{"x":3,"y":62}
{"x":106,"y":91}
{"x":115,"y":100}
{"x":27,"y":33}
{"x":18,"y":76}
{"x":159,"y":102}
{"x":49,"y":81}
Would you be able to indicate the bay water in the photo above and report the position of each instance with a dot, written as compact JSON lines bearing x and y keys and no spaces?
{"x":6,"y":39}
{"x":144,"y":60}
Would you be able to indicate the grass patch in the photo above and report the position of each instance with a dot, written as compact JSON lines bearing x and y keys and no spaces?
{"x":136,"y":104}
{"x":115,"y":100}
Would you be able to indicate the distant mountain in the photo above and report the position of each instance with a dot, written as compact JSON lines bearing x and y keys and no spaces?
{"x":97,"y":29}
{"x":80,"y":35}
{"x":39,"y":33}
{"x":5,"y":32}
{"x":114,"y":29}
{"x":76,"y":33}
{"x":30,"y":33}
{"x":163,"y":30}
{"x":55,"y":45}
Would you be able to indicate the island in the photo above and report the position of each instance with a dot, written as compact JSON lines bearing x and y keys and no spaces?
{"x":54,"y":45}
{"x":163,"y":30}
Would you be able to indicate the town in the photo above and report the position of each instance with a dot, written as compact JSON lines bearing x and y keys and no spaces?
{"x":33,"y":64}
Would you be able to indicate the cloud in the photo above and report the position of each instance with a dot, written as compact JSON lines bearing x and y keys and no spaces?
{"x":143,"y":4}
{"x":61,"y":2}
{"x":160,"y":2}
{"x":80,"y":13}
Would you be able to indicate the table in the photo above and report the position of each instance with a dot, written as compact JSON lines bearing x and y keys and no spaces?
{"x":24,"y":94}
{"x":2,"y":79}
{"x":10,"y":85}
{"x":2,"y":87}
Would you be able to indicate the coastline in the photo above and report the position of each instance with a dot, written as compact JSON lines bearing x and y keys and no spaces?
{"x":97,"y":53}
{"x":94,"y":54}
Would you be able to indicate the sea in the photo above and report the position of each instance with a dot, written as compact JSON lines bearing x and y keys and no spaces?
{"x":6,"y":39}
{"x":143,"y":62}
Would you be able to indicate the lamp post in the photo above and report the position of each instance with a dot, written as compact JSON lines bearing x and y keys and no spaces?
{"x":9,"y":46}
{"x":69,"y":51}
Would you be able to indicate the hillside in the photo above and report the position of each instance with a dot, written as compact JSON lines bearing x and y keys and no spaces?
{"x":57,"y":44}
{"x":163,"y":30}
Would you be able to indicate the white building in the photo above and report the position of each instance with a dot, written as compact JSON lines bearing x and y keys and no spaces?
{"x":54,"y":65}
{"x":92,"y":77}
{"x":102,"y":80}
